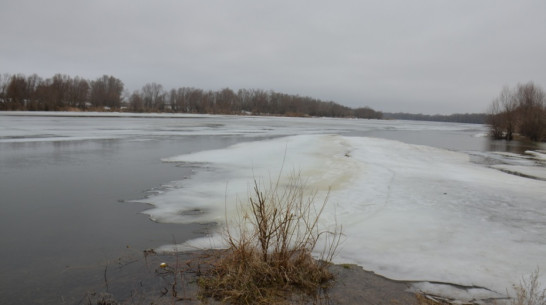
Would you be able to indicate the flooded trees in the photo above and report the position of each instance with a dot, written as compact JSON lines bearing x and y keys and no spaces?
{"x":521,"y":110}
{"x":503,"y":115}
{"x":532,"y":111}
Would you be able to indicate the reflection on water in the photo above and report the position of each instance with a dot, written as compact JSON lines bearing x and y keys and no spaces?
{"x":514,"y":146}
{"x":62,"y":220}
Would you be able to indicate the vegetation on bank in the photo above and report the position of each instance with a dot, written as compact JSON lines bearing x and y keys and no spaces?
{"x":529,"y":291}
{"x":63,"y":92}
{"x":520,"y":111}
{"x":270,"y":248}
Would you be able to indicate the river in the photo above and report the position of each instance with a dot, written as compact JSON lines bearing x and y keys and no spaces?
{"x":70,"y":184}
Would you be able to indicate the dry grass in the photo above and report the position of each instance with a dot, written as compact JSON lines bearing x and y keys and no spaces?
{"x":423,"y":299}
{"x":528,"y":291}
{"x":270,"y":248}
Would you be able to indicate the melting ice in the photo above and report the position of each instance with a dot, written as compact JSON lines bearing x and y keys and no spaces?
{"x":409,"y":212}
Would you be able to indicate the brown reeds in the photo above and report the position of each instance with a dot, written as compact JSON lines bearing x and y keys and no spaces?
{"x":528,"y":291}
{"x":270,"y":247}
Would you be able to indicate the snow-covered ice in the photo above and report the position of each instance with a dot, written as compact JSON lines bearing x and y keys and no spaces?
{"x":27,"y":126}
{"x":534,"y":172}
{"x":409,"y":212}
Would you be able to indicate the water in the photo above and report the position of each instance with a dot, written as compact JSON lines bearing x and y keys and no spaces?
{"x":63,"y":211}
{"x":65,"y":183}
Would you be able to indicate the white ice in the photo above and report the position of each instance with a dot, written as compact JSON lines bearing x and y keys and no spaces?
{"x":27,"y":126}
{"x":409,"y":212}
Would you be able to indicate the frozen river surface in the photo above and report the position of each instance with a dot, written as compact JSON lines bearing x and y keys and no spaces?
{"x":427,"y":202}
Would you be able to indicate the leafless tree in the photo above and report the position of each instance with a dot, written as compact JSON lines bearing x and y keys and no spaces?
{"x":4,"y":82}
{"x":16,"y":93}
{"x":153,"y":96}
{"x":226,"y":102}
{"x":503,"y":115}
{"x":106,"y":91}
{"x":78,"y":92}
{"x":522,"y":111}
{"x":136,"y":104}
{"x":530,"y":100}
{"x":62,"y":92}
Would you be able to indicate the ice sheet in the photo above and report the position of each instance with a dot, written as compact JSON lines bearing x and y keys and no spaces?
{"x":76,"y":126}
{"x":409,"y":212}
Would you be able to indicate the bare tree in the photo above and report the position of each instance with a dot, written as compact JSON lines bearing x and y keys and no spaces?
{"x":494,"y":119}
{"x":4,"y":82}
{"x":63,"y":92}
{"x":196,"y":103}
{"x":226,"y":101}
{"x":176,"y":100}
{"x":78,"y":92}
{"x":530,"y":100}
{"x":503,"y":115}
{"x":106,"y":91}
{"x":16,"y":93}
{"x":136,"y":103}
{"x":153,"y":96}
{"x":522,"y":110}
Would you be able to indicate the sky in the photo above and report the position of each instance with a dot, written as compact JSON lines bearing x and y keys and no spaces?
{"x":415,"y":56}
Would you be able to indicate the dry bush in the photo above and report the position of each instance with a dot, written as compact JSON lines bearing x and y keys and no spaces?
{"x":528,"y":291}
{"x":270,"y":251}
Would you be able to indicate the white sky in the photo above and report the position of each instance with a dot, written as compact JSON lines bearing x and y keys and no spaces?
{"x":411,"y":56}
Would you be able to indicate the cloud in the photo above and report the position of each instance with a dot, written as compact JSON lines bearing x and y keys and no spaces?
{"x":418,"y":56}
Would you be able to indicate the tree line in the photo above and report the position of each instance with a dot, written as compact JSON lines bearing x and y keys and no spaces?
{"x":472,"y":118}
{"x":60,"y":92}
{"x":521,"y":110}
{"x":63,"y":92}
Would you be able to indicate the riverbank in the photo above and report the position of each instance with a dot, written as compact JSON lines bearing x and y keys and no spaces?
{"x":134,"y":280}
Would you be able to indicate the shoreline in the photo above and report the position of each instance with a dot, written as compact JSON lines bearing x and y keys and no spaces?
{"x":143,"y":281}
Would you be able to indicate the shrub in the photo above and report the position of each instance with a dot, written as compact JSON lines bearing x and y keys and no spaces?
{"x":528,"y":291}
{"x":270,"y":247}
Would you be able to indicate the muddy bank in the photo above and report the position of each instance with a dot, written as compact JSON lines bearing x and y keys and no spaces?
{"x":143,"y":280}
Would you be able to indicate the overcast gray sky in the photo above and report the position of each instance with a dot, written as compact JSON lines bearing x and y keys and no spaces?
{"x":411,"y":56}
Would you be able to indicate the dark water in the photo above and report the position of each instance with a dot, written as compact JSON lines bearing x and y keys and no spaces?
{"x":64,"y":215}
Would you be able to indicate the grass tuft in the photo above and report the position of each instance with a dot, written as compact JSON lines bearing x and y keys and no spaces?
{"x":271,"y":246}
{"x":528,"y":291}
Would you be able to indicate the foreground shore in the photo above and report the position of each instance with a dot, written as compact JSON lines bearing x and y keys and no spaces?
{"x":143,"y":280}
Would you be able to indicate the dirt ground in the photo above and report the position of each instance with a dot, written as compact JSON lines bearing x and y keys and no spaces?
{"x":142,"y":280}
